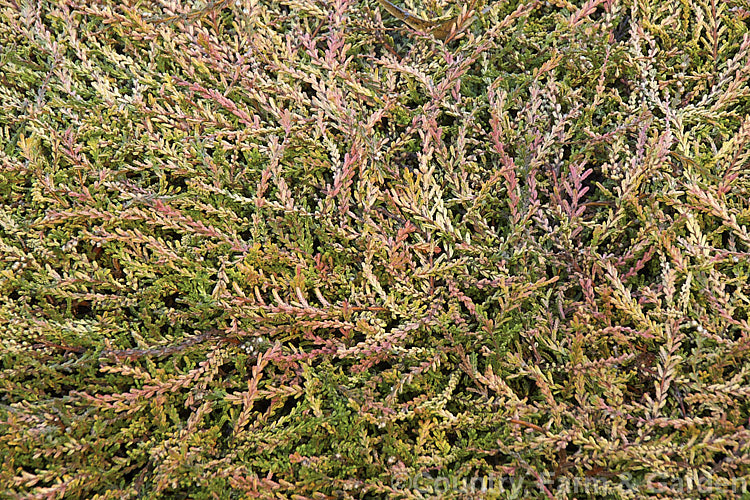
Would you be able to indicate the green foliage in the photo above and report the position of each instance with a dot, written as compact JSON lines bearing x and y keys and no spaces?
{"x":298,"y":250}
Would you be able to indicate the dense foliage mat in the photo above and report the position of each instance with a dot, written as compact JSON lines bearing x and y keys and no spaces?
{"x":263,"y":248}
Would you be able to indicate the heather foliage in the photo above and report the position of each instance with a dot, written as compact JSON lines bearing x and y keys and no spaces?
{"x":276,"y":248}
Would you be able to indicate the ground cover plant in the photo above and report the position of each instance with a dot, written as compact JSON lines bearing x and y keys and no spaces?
{"x":298,"y":249}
